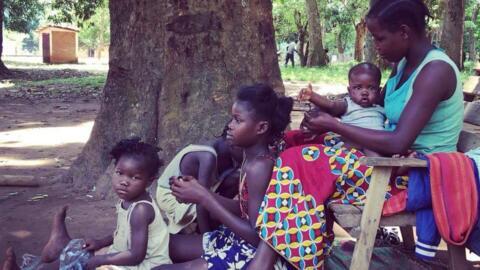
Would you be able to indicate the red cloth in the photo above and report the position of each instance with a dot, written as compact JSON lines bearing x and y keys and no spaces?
{"x":454,"y":195}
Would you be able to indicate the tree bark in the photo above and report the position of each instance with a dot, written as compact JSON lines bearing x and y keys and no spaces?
{"x":370,"y":52}
{"x":4,"y":71}
{"x":452,"y":30}
{"x":340,"y":47}
{"x":316,"y":54}
{"x":302,"y":34}
{"x":360,"y":30}
{"x":472,"y":52}
{"x":174,"y":68}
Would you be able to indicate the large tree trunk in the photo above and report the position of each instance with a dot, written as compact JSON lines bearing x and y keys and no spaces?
{"x":360,"y":30}
{"x":472,"y":52}
{"x":452,"y":30}
{"x":340,"y":47}
{"x":316,"y":54}
{"x":4,"y":71}
{"x":370,"y":52}
{"x":302,"y":34}
{"x":174,"y":69}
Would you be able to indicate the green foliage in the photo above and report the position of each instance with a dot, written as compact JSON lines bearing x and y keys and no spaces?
{"x":284,"y":18}
{"x":22,"y":15}
{"x":333,"y":73}
{"x":338,"y":73}
{"x":70,"y":11}
{"x":30,"y":43}
{"x":88,"y":81}
{"x":95,"y":32}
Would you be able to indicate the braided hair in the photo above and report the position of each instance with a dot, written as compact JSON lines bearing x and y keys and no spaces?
{"x":394,"y":13}
{"x":135,"y":148}
{"x":268,"y":106}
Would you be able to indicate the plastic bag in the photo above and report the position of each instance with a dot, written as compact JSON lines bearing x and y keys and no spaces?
{"x":73,"y":256}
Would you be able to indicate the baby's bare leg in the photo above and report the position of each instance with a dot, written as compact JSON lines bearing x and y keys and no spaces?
{"x":59,"y":237}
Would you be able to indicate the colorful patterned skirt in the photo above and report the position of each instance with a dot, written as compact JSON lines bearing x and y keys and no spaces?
{"x":293,"y":217}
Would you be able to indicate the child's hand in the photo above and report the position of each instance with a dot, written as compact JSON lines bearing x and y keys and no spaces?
{"x":306,"y":93}
{"x":92,"y":245}
{"x":187,"y":189}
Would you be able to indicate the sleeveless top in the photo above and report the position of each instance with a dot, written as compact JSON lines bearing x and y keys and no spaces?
{"x":158,"y":237}
{"x":178,"y":215}
{"x":370,"y":117}
{"x":442,"y":131}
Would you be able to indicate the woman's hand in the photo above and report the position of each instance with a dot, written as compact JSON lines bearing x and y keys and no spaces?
{"x":187,"y":189}
{"x":317,"y":122}
{"x":306,"y":93}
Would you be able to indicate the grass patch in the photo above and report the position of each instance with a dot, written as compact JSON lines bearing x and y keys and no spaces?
{"x":88,"y":81}
{"x":338,"y":73}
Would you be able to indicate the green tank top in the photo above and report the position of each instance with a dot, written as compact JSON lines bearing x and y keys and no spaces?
{"x":442,"y":131}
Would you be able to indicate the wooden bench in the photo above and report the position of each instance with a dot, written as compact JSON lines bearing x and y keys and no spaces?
{"x":364,"y":221}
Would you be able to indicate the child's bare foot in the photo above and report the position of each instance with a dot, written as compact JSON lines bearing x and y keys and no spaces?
{"x":10,"y":260}
{"x":59,"y":237}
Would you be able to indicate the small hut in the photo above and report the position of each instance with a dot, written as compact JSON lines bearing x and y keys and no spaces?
{"x":58,"y":44}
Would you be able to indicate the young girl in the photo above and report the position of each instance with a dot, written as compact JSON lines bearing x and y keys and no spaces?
{"x":141,"y":238}
{"x":259,"y":118}
{"x":215,"y":165}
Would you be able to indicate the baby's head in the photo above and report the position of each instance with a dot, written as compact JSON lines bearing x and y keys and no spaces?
{"x":364,"y":84}
{"x":136,"y":166}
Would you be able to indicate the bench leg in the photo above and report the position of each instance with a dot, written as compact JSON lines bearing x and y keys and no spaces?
{"x":408,"y":238}
{"x":457,"y":258}
{"x":370,"y":218}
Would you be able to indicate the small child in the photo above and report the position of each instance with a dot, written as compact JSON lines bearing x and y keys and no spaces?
{"x":358,"y":108}
{"x":141,"y":238}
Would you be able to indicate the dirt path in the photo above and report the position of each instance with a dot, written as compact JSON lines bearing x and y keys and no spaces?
{"x":43,"y":127}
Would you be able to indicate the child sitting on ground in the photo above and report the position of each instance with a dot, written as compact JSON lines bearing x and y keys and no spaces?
{"x":215,"y":165}
{"x":358,"y":108}
{"x":141,"y":238}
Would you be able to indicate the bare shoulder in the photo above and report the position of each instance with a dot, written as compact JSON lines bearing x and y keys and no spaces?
{"x":259,"y":169}
{"x":142,"y":213}
{"x":436,"y":76}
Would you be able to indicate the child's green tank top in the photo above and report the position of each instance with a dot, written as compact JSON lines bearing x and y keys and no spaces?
{"x":442,"y":131}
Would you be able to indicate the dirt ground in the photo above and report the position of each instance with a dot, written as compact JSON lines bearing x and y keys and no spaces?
{"x":42,"y":129}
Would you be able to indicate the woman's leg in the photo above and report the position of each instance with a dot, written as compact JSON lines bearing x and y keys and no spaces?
{"x":59,"y":237}
{"x":184,"y":248}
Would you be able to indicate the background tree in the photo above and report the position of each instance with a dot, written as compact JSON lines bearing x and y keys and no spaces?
{"x":316,"y":52}
{"x":174,"y":68}
{"x":17,"y":15}
{"x":452,"y":30}
{"x":95,"y":32}
{"x":472,"y":29}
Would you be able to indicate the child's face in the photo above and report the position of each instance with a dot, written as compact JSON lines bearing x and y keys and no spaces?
{"x":130,"y":178}
{"x":242,"y":127}
{"x":363,"y":89}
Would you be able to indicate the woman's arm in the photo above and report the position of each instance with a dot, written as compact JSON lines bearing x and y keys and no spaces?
{"x":142,"y":215}
{"x":435,"y":82}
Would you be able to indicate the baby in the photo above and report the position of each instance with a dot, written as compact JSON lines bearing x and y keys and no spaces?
{"x":358,"y":108}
